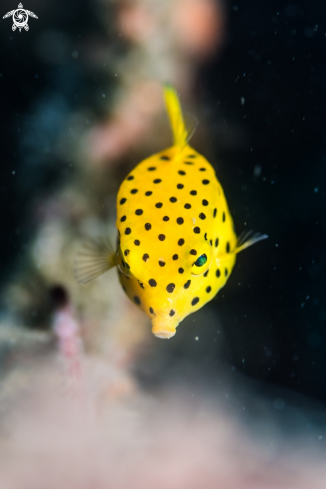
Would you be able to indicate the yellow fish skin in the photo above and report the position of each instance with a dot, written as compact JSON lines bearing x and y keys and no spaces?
{"x":168,"y":217}
{"x":171,"y":212}
{"x":177,"y":244}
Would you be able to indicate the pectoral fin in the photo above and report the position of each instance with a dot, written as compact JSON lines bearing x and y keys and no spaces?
{"x":93,"y":259}
{"x":247,"y":239}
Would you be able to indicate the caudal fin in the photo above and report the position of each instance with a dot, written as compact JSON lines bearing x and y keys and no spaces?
{"x":182,"y":128}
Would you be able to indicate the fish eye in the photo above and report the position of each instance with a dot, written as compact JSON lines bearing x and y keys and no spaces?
{"x":203,"y":261}
{"x":200,"y":262}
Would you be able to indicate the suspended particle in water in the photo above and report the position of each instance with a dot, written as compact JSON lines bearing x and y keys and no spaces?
{"x":257,"y":171}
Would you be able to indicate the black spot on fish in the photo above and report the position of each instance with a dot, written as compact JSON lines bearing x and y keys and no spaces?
{"x":175,"y":257}
{"x":187,"y":206}
{"x":161,"y":263}
{"x":193,"y":192}
{"x":223,"y":217}
{"x":181,"y":172}
{"x":164,"y":158}
{"x":180,"y":186}
{"x":195,"y":301}
{"x":148,"y":193}
{"x":152,"y":282}
{"x":166,"y":218}
{"x":131,"y":177}
{"x":151,"y":310}
{"x":170,"y":288}
{"x":126,"y":252}
{"x":139,"y":212}
{"x":181,"y":242}
{"x":206,"y":273}
{"x":123,"y":218}
{"x":202,"y":216}
{"x":205,"y":202}
{"x":196,"y":230}
{"x":151,"y":168}
{"x":133,"y":191}
{"x":145,"y":257}
{"x":137,"y":300}
{"x":181,"y":270}
{"x":208,"y":289}
{"x":228,"y":247}
{"x":172,"y":312}
{"x":148,"y":226}
{"x":157,"y":180}
{"x":226,"y":272}
{"x":218,"y":273}
{"x":127,"y":231}
{"x":159,"y":205}
{"x":122,"y":201}
{"x":205,"y":182}
{"x":161,"y":237}
{"x":216,"y":243}
{"x":187,"y":284}
{"x":180,"y":220}
{"x":202,"y":169}
{"x":193,"y":252}
{"x":173,"y":199}
{"x":137,"y":242}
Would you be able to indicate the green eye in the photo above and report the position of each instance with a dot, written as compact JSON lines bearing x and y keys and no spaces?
{"x":201,"y":260}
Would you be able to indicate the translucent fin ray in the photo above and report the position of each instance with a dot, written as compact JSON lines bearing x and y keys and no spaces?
{"x":93,"y":259}
{"x":182,"y":129}
{"x":248,"y":238}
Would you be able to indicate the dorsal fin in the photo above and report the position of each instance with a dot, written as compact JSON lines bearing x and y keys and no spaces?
{"x":182,"y":131}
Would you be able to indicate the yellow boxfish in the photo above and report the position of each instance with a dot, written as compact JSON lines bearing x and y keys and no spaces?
{"x":177,"y":244}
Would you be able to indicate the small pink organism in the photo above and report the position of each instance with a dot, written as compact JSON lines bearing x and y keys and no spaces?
{"x":67,"y":331}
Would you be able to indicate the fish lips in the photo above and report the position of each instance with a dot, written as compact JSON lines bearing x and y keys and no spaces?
{"x":164,"y":327}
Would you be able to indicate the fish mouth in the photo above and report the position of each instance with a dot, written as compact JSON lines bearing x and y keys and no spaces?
{"x":163,"y":328}
{"x":164,"y":335}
